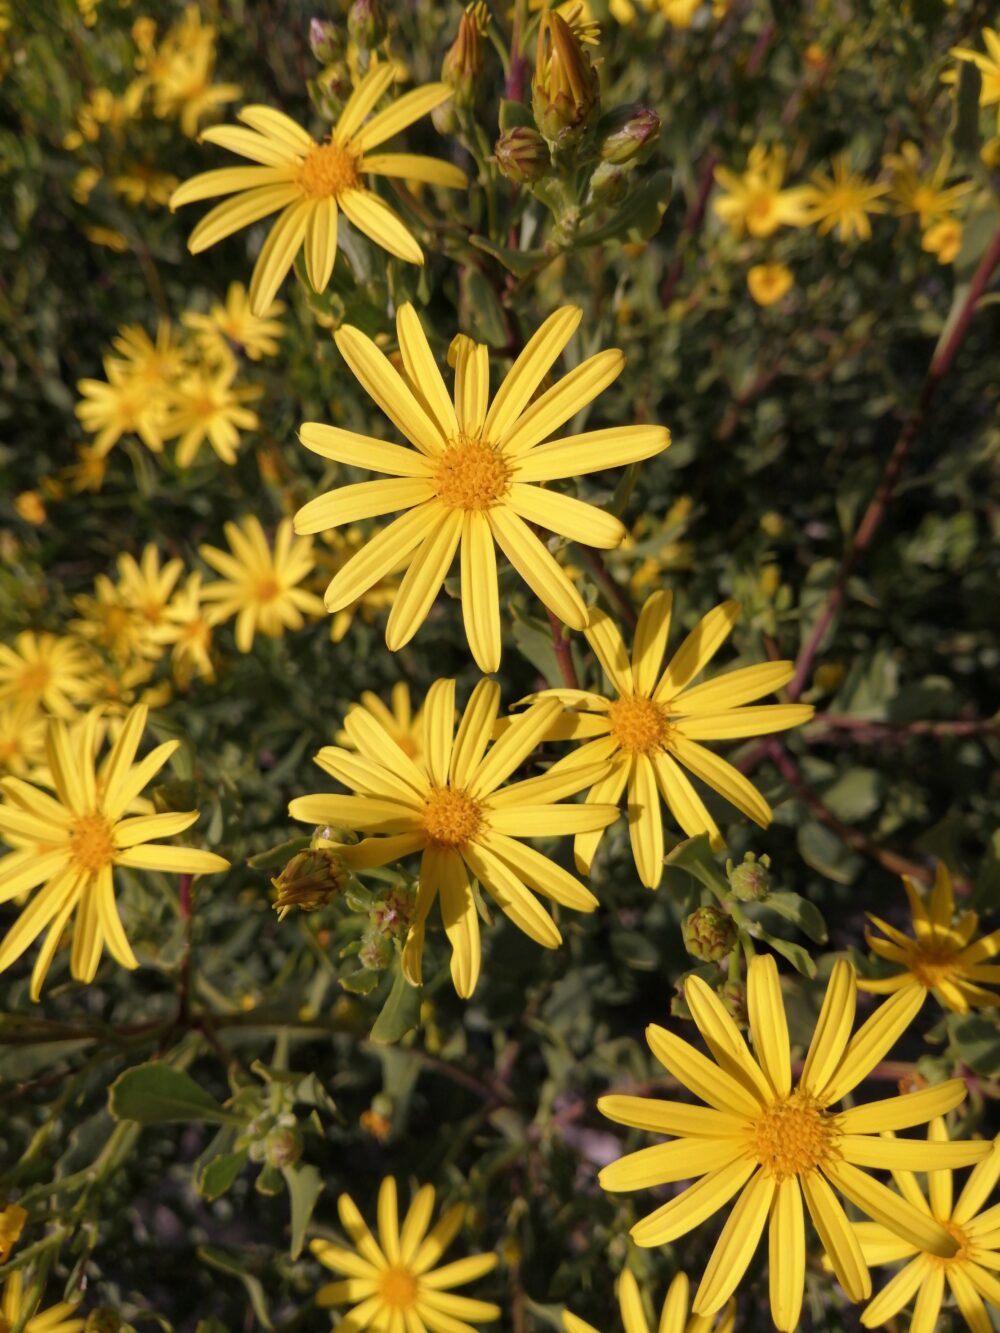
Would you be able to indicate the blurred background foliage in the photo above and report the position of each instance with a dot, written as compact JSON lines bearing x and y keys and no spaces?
{"x":783,"y":414}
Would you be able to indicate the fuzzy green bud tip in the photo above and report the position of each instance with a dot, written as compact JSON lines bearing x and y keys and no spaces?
{"x":376,"y":951}
{"x":638,"y":134}
{"x":311,"y":879}
{"x":750,"y":881}
{"x":709,"y":934}
{"x":366,"y":23}
{"x":522,"y":155}
{"x":608,"y":184}
{"x":326,"y":40}
{"x":283,"y":1146}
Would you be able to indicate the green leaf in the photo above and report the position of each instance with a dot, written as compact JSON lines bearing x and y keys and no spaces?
{"x":304,"y":1188}
{"x":485,"y":313}
{"x":796,"y":955}
{"x":276,"y":857}
{"x":514,"y":115}
{"x":220,"y":1174}
{"x":228,"y":1263}
{"x":400,"y":1012}
{"x":979,"y":1042}
{"x":155,"y":1094}
{"x":696,"y":857}
{"x":965,"y":135}
{"x":805,"y":915}
{"x":518,"y":262}
{"x":639,"y":217}
{"x":361,"y":982}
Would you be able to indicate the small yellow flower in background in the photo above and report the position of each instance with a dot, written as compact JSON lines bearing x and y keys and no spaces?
{"x":22,"y":737}
{"x":649,"y":732}
{"x":145,"y":587}
{"x":673,"y":1317}
{"x":970,"y":1273}
{"x":679,"y":13}
{"x":155,"y":364}
{"x":450,"y":804}
{"x":69,"y":846}
{"x":776,"y":1144}
{"x":84,"y":184}
{"x":186,"y":629}
{"x":843,"y":199}
{"x":658,"y":555}
{"x":755,"y":200}
{"x":105,"y":620}
{"x":944,"y":240}
{"x":140,"y":184}
{"x":394,"y":1281}
{"x":58,"y":1318}
{"x":339,"y":546}
{"x":924,"y":193}
{"x":233,"y":327}
{"x":120,"y":405}
{"x":398,"y":720}
{"x":260,"y":586}
{"x":30,"y":506}
{"x":311,"y":182}
{"x":12,"y":1220}
{"x":942,"y":956}
{"x":207,"y":406}
{"x":47,"y":671}
{"x":88,"y":472}
{"x":471,"y":477}
{"x":108,"y":238}
{"x":768,"y":283}
{"x":988,"y":65}
{"x":179,"y":71}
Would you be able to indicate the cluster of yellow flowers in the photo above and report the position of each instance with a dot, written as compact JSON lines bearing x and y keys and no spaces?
{"x":184,"y":384}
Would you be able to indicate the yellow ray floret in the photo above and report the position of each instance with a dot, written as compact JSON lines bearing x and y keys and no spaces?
{"x":471,"y":477}
{"x":66,"y":846}
{"x":776,"y":1145}
{"x":394,"y":1281}
{"x":649,"y":730}
{"x":674,"y":1316}
{"x":942,"y":955}
{"x":970,"y":1273}
{"x":451,"y":804}
{"x":311,"y":183}
{"x":60,"y":1318}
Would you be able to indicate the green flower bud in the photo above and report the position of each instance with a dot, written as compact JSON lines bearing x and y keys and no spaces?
{"x":608,"y":184}
{"x":366,"y":23}
{"x":390,"y":916}
{"x":734,"y":996}
{"x":463,"y":62}
{"x":376,"y":951}
{"x":326,"y":40}
{"x":283,"y":1146}
{"x":638,"y":133}
{"x":565,"y":90}
{"x":709,"y":934}
{"x":522,"y":155}
{"x":331,"y":89}
{"x":750,"y":882}
{"x":311,"y":879}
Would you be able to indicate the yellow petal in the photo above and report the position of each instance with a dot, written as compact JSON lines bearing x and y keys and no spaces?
{"x":723,"y":778}
{"x":230,"y":180}
{"x":278,"y":253}
{"x":398,"y":115}
{"x":539,"y":873}
{"x":912,"y":1108}
{"x":247,"y":143}
{"x":422,"y":581}
{"x":439,"y":729}
{"x":695,"y":1205}
{"x":650,"y":640}
{"x":630,"y":1304}
{"x":172,"y":860}
{"x":676,"y":1118}
{"x":683,"y":801}
{"x":896,"y":1293}
{"x":787,"y":1255}
{"x":735,"y":1246}
{"x":415,"y":167}
{"x":519,"y":740}
{"x":365,"y":96}
{"x":234,"y":214}
{"x":321,"y":244}
{"x":872,"y":1041}
{"x":472,"y":384}
{"x":724,"y":1040}
{"x":592,"y":452}
{"x":736,"y":723}
{"x":382,"y":554}
{"x":422,"y":371}
{"x":666,"y":1163}
{"x":480,"y":591}
{"x":474,"y":730}
{"x":572,"y":518}
{"x":733,"y":688}
{"x":768,"y":1025}
{"x":461,"y":920}
{"x":605,"y":638}
{"x":532,"y":365}
{"x":881,"y":1204}
{"x":361,"y":500}
{"x":697,"y":650}
{"x":46,"y":905}
{"x":540,"y":571}
{"x":512,"y":897}
{"x":382,"y":382}
{"x":554,"y":407}
{"x":703,"y":1076}
{"x":388,"y":1219}
{"x":417,"y":1221}
{"x":837,"y":1236}
{"x":344,"y":446}
{"x":276,"y":125}
{"x":372,"y":216}
{"x":833,"y":1028}
{"x":889,"y":1153}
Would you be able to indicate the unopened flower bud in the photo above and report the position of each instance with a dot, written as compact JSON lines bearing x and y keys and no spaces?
{"x":733,"y":995}
{"x":565,"y":89}
{"x":463,"y":63}
{"x":103,"y":1320}
{"x":391,"y":915}
{"x":311,"y":879}
{"x":326,"y":40}
{"x":751,"y":881}
{"x":366,"y":23}
{"x":376,"y":951}
{"x":709,"y":934}
{"x":608,"y":184}
{"x":639,"y":132}
{"x":330,"y":89}
{"x":283,"y":1146}
{"x":522,"y":155}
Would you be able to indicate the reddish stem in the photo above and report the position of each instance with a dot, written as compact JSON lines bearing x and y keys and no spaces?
{"x":564,"y":653}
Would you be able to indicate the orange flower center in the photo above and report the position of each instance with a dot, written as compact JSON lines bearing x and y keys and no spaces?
{"x":35,"y":678}
{"x":472,"y":474}
{"x":932,"y":966}
{"x":327,"y":171}
{"x":452,"y":818}
{"x":957,"y":1234}
{"x":91,"y":843}
{"x":792,"y":1136}
{"x":398,"y":1288}
{"x":761,"y":206}
{"x":639,"y":725}
{"x":266,"y":588}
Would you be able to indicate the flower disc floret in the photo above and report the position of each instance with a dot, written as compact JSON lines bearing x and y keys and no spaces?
{"x":639,"y":725}
{"x":327,"y":170}
{"x":452,"y":818}
{"x":792,"y":1136}
{"x":472,"y":475}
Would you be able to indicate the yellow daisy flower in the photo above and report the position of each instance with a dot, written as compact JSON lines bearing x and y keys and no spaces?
{"x":184,"y":89}
{"x":260,"y":586}
{"x":58,"y":1318}
{"x":471,"y":477}
{"x":311,"y":182}
{"x":105,"y":621}
{"x":69,"y":845}
{"x":843,"y":199}
{"x":650,"y":731}
{"x":970,"y":1273}
{"x":944,"y":240}
{"x":232,"y":326}
{"x":775,"y":1143}
{"x":768,"y":283}
{"x":145,"y":587}
{"x":88,"y":472}
{"x":450,"y":804}
{"x":12,"y":1220}
{"x":673,"y":1317}
{"x":22,"y":737}
{"x":46,"y":671}
{"x":923,"y":193}
{"x":120,"y":405}
{"x":186,"y":629}
{"x":988,"y":65}
{"x":140,"y":359}
{"x":399,"y":721}
{"x":942,"y":956}
{"x":394,"y":1282}
{"x":754,"y":200}
{"x":206,"y":405}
